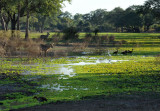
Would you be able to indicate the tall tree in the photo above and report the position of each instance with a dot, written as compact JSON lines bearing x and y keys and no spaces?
{"x":44,"y":7}
{"x":98,"y":17}
{"x":114,"y":17}
{"x":154,"y":7}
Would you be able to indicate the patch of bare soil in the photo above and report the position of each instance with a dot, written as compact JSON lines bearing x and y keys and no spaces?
{"x":101,"y":104}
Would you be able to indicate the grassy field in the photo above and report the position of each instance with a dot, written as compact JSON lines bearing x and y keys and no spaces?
{"x":84,"y":77}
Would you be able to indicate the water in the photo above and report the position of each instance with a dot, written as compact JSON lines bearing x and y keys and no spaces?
{"x":59,"y":87}
{"x":64,"y":69}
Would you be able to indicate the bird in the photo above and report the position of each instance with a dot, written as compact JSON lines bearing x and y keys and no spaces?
{"x":115,"y":52}
{"x":40,"y":99}
{"x":45,"y":48}
{"x":124,"y":52}
{"x":130,"y":52}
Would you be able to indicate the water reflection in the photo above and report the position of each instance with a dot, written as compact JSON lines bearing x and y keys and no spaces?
{"x":64,"y":69}
{"x":59,"y":87}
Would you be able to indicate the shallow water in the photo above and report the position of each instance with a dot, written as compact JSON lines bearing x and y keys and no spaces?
{"x":63,"y":69}
{"x":59,"y":87}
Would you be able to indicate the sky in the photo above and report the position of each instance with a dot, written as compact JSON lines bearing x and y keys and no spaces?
{"x":86,"y":6}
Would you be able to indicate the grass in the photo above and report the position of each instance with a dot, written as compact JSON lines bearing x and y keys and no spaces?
{"x":139,"y":75}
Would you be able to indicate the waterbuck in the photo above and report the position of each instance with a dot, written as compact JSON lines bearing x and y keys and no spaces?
{"x":44,"y":37}
{"x":45,"y":48}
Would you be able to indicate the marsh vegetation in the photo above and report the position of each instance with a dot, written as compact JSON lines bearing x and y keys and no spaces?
{"x":51,"y":60}
{"x":84,"y":69}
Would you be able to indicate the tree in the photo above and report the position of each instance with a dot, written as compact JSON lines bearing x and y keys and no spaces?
{"x":154,"y":7}
{"x":98,"y":17}
{"x":28,"y":7}
{"x":44,"y":7}
{"x":129,"y":20}
{"x":70,"y":33}
{"x":147,"y":16}
{"x":115,"y":16}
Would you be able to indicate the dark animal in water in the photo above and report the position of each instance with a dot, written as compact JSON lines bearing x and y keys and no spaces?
{"x":116,"y":52}
{"x":44,"y":37}
{"x":45,"y":48}
{"x":40,"y":99}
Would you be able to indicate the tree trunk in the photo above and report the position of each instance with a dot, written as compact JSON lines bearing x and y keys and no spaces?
{"x":3,"y":23}
{"x":122,"y":30}
{"x":41,"y":29}
{"x":7,"y":20}
{"x":116,"y":29}
{"x":43,"y":22}
{"x":18,"y":22}
{"x":13,"y":25}
{"x":27,"y":22}
{"x":147,"y":28}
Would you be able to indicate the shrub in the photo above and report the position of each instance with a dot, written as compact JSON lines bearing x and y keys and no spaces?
{"x":157,"y":60}
{"x":124,"y":41}
{"x":111,"y":38}
{"x":2,"y":51}
{"x":88,"y":38}
{"x":70,"y":33}
{"x":104,"y":39}
{"x":56,"y":38}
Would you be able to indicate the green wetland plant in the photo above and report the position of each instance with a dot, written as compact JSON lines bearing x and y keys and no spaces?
{"x":135,"y":74}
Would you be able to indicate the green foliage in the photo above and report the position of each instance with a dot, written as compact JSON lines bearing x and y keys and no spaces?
{"x":70,"y":33}
{"x":133,"y":19}
{"x":138,"y":75}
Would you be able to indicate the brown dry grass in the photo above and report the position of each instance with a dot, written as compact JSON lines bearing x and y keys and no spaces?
{"x":77,"y":47}
{"x":16,"y":46}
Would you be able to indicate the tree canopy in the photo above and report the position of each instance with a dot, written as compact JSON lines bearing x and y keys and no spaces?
{"x":47,"y":15}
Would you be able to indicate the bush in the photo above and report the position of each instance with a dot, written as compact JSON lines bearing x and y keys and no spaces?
{"x":111,"y":38}
{"x":104,"y":39}
{"x":124,"y":41}
{"x":157,"y":60}
{"x":70,"y":33}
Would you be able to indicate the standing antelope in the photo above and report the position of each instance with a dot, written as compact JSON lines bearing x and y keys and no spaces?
{"x":44,"y":37}
{"x":45,"y":48}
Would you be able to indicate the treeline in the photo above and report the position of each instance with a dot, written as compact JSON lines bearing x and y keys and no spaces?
{"x":140,"y":18}
{"x":17,"y":14}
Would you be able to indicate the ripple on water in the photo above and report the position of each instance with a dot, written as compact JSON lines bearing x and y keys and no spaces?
{"x":59,"y":87}
{"x":64,"y":69}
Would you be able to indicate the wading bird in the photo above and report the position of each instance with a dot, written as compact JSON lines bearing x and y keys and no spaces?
{"x":116,"y":52}
{"x":124,"y":52}
{"x":130,"y":52}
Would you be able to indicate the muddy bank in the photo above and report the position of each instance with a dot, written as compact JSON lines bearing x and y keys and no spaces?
{"x":101,"y":104}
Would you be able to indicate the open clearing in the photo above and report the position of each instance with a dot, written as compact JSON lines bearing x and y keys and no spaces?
{"x":86,"y":81}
